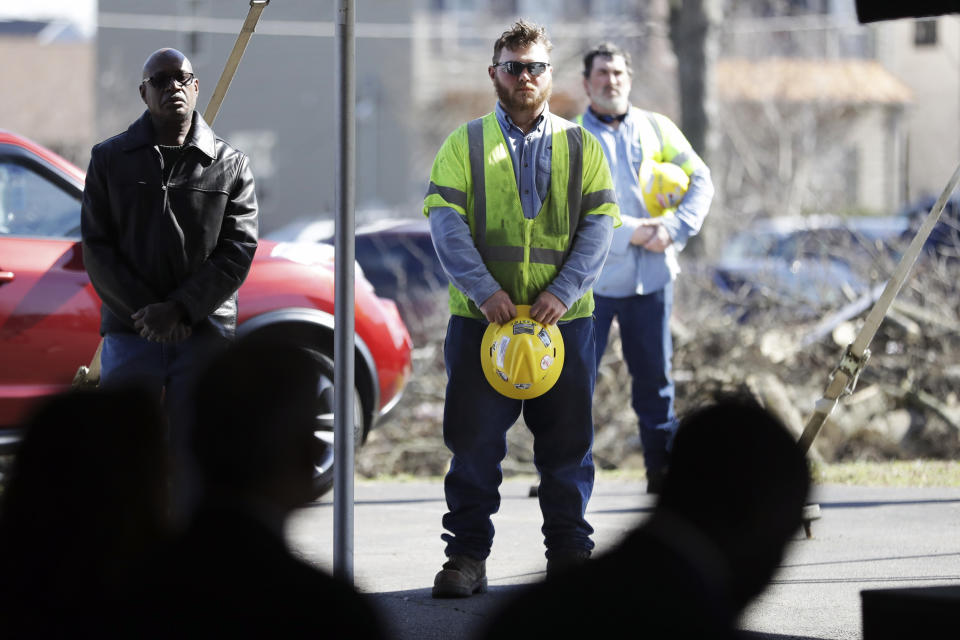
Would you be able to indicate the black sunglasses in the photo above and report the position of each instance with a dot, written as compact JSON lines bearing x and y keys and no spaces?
{"x":161,"y":80}
{"x":515,"y":68}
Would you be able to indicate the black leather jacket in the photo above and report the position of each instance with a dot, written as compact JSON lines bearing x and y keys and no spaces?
{"x":190,"y":240}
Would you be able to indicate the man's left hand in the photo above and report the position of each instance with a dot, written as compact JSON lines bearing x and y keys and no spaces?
{"x":161,"y":322}
{"x":547,"y":308}
{"x":659,"y":241}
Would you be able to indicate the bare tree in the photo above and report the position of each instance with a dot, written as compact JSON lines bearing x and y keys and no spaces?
{"x":693,"y":26}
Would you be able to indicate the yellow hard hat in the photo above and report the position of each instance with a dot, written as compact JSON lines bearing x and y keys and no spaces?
{"x":664,"y":184}
{"x":522,"y":358}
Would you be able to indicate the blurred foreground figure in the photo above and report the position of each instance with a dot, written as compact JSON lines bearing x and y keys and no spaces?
{"x":85,"y":500}
{"x":231,"y":574}
{"x":731,"y":500}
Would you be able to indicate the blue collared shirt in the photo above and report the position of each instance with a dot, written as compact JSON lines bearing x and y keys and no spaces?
{"x":630,"y":269}
{"x":531,"y":156}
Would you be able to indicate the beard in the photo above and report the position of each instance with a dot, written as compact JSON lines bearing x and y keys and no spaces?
{"x":513,"y":99}
{"x":613,"y":103}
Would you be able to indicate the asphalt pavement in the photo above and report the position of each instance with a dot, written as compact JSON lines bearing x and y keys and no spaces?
{"x":866,"y":538}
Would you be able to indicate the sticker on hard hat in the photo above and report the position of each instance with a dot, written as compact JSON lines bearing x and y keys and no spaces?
{"x":500,"y":347}
{"x":523,"y":327}
{"x":544,"y":337}
{"x":546,"y":362}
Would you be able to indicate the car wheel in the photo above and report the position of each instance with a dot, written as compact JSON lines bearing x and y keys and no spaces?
{"x":324,"y":467}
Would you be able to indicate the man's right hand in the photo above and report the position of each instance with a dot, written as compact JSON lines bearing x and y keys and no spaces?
{"x":179,"y":333}
{"x":161,"y":322}
{"x":498,"y":308}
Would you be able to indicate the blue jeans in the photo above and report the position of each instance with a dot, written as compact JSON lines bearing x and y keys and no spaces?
{"x":476,"y":419}
{"x":647,"y":348}
{"x":169,"y":371}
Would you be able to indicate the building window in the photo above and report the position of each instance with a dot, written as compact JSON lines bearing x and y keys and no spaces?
{"x":925,"y":32}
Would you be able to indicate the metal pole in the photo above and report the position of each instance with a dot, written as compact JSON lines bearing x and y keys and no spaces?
{"x":343,"y":418}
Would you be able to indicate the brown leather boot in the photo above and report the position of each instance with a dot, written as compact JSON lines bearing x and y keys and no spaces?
{"x":461,"y":577}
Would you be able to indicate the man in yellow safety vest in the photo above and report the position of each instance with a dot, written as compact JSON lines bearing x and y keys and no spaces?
{"x":521,"y":209}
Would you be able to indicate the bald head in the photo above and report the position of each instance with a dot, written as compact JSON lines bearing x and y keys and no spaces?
{"x":163,"y":57}
{"x":170,"y":90}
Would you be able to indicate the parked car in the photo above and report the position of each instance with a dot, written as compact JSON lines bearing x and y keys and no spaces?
{"x":943,"y":243}
{"x":808,"y":263}
{"x":397,"y":257}
{"x":50,"y":313}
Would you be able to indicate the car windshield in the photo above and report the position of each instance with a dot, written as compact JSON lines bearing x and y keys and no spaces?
{"x":32,"y":205}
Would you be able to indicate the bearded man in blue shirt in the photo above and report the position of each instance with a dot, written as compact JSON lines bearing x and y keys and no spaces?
{"x":636,"y":283}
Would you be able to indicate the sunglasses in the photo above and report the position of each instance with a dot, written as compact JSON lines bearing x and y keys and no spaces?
{"x":161,"y":80}
{"x":515,"y":68}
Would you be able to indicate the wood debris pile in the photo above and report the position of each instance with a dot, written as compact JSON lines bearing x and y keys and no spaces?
{"x":904,"y":406}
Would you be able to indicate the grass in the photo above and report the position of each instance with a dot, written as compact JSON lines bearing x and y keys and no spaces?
{"x":894,"y":473}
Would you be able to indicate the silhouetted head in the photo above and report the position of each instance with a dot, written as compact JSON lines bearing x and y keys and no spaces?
{"x":737,"y":474}
{"x":87,"y":490}
{"x":256,"y":406}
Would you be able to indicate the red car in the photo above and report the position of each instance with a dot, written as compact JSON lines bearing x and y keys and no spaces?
{"x":50,"y":314}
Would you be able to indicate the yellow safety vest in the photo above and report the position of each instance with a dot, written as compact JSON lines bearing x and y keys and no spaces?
{"x":473,"y":174}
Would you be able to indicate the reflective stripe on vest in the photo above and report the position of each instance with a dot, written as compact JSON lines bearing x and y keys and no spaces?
{"x":451,"y":195}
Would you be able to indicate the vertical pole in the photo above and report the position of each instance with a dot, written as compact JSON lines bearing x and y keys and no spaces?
{"x":343,"y":357}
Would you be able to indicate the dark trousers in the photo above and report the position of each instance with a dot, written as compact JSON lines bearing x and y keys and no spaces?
{"x":647,"y":348}
{"x":476,"y":419}
{"x":169,"y":371}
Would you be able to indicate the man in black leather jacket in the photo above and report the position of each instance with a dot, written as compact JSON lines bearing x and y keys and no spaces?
{"x":169,"y":226}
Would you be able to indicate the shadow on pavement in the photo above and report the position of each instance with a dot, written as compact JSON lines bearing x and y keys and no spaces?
{"x":883,"y":503}
{"x":880,"y":559}
{"x":952,"y":578}
{"x":415,"y":615}
{"x":631,"y":510}
{"x":759,"y":635}
{"x":328,"y":503}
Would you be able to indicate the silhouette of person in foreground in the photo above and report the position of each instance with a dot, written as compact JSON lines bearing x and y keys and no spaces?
{"x":84,"y":501}
{"x":731,"y":501}
{"x":230,"y":574}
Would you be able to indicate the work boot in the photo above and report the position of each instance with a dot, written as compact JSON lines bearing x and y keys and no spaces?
{"x":461,"y":577}
{"x":561,"y":562}
{"x":655,"y":480}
